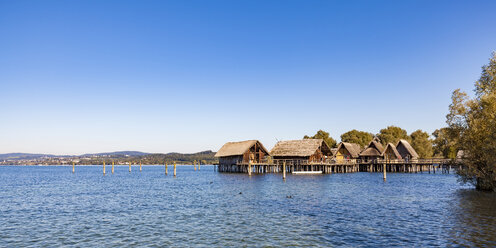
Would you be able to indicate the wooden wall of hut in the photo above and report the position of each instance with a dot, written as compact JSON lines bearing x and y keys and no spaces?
{"x":316,"y":157}
{"x":405,"y":154}
{"x":255,"y":154}
{"x":343,"y":153}
{"x":230,"y":160}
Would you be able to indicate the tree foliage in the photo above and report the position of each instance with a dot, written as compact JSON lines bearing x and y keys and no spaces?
{"x":444,"y":143}
{"x":392,"y":134}
{"x":422,"y":143}
{"x":474,"y":123}
{"x":359,"y":137}
{"x":325,"y":136}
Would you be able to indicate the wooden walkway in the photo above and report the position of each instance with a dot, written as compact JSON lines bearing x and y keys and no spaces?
{"x":342,"y":166}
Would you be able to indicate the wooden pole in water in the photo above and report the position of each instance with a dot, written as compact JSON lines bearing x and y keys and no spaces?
{"x":174,"y":168}
{"x":140,"y":165}
{"x":73,"y":167}
{"x":194,"y":164}
{"x":112,"y":167}
{"x":166,"y":172}
{"x":199,"y":163}
{"x":130,"y":167}
{"x":249,"y":168}
{"x":384,"y":172}
{"x":104,"y":168}
{"x":284,"y":170}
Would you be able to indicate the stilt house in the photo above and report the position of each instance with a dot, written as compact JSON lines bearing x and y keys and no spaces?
{"x":390,"y":152}
{"x":307,"y":150}
{"x":241,"y":152}
{"x":373,"y":151}
{"x":346,"y":151}
{"x":406,"y":150}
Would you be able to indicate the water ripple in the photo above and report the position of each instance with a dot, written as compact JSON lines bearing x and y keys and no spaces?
{"x":49,"y":206}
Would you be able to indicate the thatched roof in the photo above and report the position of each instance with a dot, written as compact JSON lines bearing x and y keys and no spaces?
{"x":352,"y":148}
{"x":238,"y":148}
{"x":391,"y":147}
{"x":370,"y":152}
{"x":408,"y":148}
{"x":373,"y":149}
{"x":300,"y":148}
{"x":377,"y":145}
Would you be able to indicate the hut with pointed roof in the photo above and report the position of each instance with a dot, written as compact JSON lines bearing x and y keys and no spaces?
{"x":347,"y":151}
{"x":390,"y":152}
{"x":233,"y":153}
{"x":334,"y":151}
{"x":373,"y":151}
{"x":406,"y":150}
{"x":310,"y":150}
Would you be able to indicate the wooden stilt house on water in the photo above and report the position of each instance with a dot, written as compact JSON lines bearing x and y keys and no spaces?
{"x":390,"y":152}
{"x":347,"y":152}
{"x":406,"y":151}
{"x":235,"y":156}
{"x":301,"y":155}
{"x":372,"y":152}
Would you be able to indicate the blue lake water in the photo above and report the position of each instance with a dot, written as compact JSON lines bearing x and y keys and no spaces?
{"x":51,"y":207}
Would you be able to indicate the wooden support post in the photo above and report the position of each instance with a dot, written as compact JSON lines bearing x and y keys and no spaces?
{"x":112,"y":167}
{"x":140,"y":165}
{"x":284,"y":170}
{"x":194,"y":164}
{"x":73,"y":167}
{"x":104,"y":168}
{"x":130,"y":167}
{"x":174,"y":168}
{"x":199,"y":164}
{"x":249,"y":168}
{"x":166,"y":172}
{"x":384,"y":172}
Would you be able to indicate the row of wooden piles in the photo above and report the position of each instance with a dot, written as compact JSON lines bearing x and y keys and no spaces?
{"x":278,"y":168}
{"x":407,"y":168}
{"x":329,"y":169}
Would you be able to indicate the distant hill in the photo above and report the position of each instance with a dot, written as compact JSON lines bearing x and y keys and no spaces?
{"x":206,"y":157}
{"x":117,"y":154}
{"x":18,"y":156}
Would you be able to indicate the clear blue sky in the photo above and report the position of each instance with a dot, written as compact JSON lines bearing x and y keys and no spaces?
{"x":162,"y":76}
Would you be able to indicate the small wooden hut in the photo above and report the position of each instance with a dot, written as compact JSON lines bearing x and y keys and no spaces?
{"x":373,"y":151}
{"x":233,"y":153}
{"x":390,"y":152}
{"x":306,"y":150}
{"x":347,"y":151}
{"x":406,"y":150}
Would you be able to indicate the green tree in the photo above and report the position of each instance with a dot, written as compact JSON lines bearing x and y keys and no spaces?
{"x":444,"y":144}
{"x":323,"y":135}
{"x":392,"y":134}
{"x":359,"y":137}
{"x":422,"y":144}
{"x":474,"y":122}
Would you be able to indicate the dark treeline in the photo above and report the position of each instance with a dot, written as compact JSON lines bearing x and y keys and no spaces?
{"x":205,"y":157}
